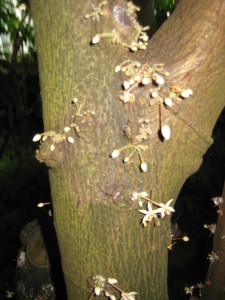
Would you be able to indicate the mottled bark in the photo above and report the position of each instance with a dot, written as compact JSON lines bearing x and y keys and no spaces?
{"x":98,"y":232}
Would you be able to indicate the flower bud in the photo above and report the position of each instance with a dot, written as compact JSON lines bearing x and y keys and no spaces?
{"x":165,"y":130}
{"x":185,"y":94}
{"x":144,"y":167}
{"x":95,"y":39}
{"x":185,"y":238}
{"x":52,"y":147}
{"x":145,"y":81}
{"x":70,"y":139}
{"x":66,"y":129}
{"x":117,"y":69}
{"x":154,"y":94}
{"x":37,"y":137}
{"x":97,"y":291}
{"x":126,"y":85}
{"x":115,"y":153}
{"x":126,"y":159}
{"x":159,"y":80}
{"x":168,"y":102}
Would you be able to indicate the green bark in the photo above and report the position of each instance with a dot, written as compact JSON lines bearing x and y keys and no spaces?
{"x":98,"y":232}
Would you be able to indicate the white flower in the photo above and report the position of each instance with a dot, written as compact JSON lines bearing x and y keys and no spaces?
{"x":144,"y":167}
{"x":128,"y":296}
{"x":149,"y":214}
{"x":166,"y":209}
{"x":95,"y":39}
{"x":37,"y":137}
{"x":115,"y":153}
{"x":165,"y":130}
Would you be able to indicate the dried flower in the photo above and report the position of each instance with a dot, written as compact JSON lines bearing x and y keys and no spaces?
{"x":212,"y":257}
{"x":189,"y":290}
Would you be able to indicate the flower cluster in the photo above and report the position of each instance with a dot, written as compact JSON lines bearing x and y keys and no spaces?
{"x":102,"y":285}
{"x":56,"y":138}
{"x":150,"y":214}
{"x":134,"y":149}
{"x":140,"y":39}
{"x":138,"y":75}
{"x":59,"y":137}
{"x":189,"y":290}
{"x":97,"y":11}
{"x":211,"y":227}
{"x":217,"y":201}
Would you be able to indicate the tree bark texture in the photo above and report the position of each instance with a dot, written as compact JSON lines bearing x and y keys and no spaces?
{"x":98,"y":227}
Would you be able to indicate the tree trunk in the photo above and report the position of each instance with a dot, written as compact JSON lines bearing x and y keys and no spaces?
{"x":215,"y":284}
{"x":98,"y":227}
